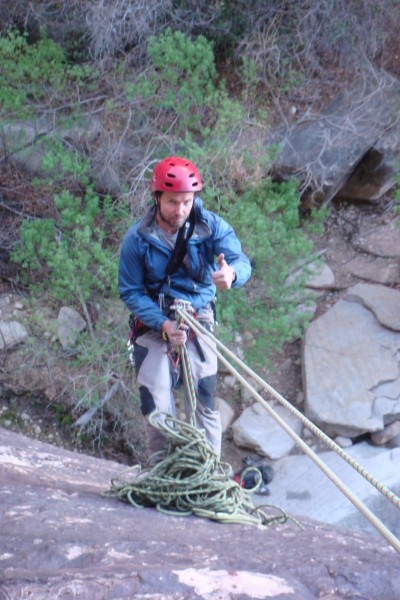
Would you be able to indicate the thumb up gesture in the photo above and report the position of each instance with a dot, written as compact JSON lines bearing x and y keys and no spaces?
{"x":223,"y":278}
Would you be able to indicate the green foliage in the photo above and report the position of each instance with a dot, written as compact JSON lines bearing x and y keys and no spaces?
{"x":62,"y":416}
{"x":267,"y":220}
{"x":32,"y":73}
{"x":397,"y":198}
{"x":69,"y":253}
{"x":182,"y":81}
{"x":60,"y":163}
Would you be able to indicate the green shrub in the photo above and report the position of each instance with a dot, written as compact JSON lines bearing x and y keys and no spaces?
{"x":181,"y":81}
{"x":35,"y":73}
{"x":69,"y":253}
{"x":267,"y":221}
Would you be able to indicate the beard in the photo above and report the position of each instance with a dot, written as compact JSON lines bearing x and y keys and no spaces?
{"x":173,"y":223}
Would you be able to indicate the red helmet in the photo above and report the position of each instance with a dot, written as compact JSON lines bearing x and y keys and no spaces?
{"x":175,"y":174}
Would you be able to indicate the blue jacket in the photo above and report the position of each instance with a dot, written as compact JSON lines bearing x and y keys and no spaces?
{"x":143,"y":261}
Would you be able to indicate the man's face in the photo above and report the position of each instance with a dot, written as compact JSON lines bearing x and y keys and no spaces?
{"x":174,"y":209}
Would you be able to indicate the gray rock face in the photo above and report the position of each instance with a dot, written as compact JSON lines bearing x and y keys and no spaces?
{"x":323,"y":151}
{"x":60,"y":538}
{"x":351,"y":362}
{"x":70,"y":324}
{"x":257,"y":430}
{"x":11,"y":334}
{"x":375,"y":269}
{"x":383,"y":241}
{"x":382,"y":301}
{"x":300,"y":487}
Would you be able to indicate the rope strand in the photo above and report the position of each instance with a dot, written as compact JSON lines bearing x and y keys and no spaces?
{"x":191,"y":480}
{"x":208,"y":338}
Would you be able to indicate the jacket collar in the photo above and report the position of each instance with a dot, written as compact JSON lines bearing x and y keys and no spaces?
{"x":201,"y":228}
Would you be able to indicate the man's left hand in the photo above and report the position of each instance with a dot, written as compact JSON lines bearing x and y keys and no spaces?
{"x":224,"y":277}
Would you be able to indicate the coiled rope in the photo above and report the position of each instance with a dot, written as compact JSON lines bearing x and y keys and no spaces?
{"x":209,"y":339}
{"x":191,"y":480}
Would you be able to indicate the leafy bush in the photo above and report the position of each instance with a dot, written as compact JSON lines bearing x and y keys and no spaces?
{"x":181,"y":82}
{"x":267,"y":220}
{"x":72,"y":257}
{"x":69,"y":252}
{"x":33,"y":73}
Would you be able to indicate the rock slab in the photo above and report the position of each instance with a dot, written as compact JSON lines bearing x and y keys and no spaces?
{"x":351,"y":370}
{"x":60,"y":538}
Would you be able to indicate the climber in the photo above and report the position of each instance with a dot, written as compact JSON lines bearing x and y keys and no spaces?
{"x":177,"y":251}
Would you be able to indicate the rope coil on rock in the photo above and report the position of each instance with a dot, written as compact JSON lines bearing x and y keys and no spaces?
{"x":191,"y":480}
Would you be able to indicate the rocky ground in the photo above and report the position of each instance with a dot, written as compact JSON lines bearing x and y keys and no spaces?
{"x":61,"y":538}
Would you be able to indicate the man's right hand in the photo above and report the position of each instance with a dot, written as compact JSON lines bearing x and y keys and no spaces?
{"x":176,"y":337}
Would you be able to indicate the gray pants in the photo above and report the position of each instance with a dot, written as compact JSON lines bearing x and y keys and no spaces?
{"x":155,"y":379}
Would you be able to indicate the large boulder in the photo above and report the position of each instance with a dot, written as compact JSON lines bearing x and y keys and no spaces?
{"x":61,"y":538}
{"x":350,"y":362}
{"x":257,"y":430}
{"x":11,"y":334}
{"x":323,"y":151}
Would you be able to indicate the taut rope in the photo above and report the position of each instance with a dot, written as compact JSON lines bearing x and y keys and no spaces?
{"x":208,"y":338}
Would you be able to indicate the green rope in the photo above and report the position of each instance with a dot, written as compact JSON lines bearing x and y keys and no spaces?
{"x":191,"y":480}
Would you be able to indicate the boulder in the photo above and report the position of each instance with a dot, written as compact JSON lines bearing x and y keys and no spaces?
{"x":350,"y":362}
{"x":11,"y":334}
{"x":382,"y":301}
{"x":383,"y":241}
{"x":61,"y":538}
{"x":323,"y":150}
{"x":226,"y":411}
{"x":256,"y":430}
{"x":70,"y":324}
{"x":375,"y":269}
{"x":377,"y":172}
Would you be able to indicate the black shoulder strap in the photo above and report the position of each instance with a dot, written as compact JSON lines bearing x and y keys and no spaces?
{"x":179,"y":251}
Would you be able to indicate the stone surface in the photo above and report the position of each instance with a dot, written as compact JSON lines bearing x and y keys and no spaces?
{"x":386,"y":435}
{"x":375,"y":174}
{"x":11,"y":334}
{"x":256,"y":430}
{"x":226,"y":411}
{"x":381,"y":241}
{"x":60,"y":538}
{"x":375,"y":269}
{"x":321,"y":276}
{"x":301,"y":488}
{"x":70,"y":324}
{"x":351,"y":363}
{"x":316,"y":275}
{"x":382,"y":301}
